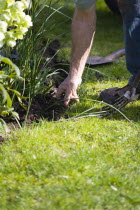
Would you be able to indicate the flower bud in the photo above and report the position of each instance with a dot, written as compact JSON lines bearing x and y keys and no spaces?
{"x":23,"y":30}
{"x":13,"y":18}
{"x":28,"y":21}
{"x":1,"y":44}
{"x":6,"y":17}
{"x":3,"y":26}
{"x":11,"y":43}
{"x":2,"y":36}
{"x":19,"y":5}
{"x":26,"y":4}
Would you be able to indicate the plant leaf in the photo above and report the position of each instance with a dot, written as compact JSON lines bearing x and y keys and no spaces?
{"x":9,"y":62}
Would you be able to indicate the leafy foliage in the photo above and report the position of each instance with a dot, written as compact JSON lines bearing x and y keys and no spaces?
{"x":14,"y":23}
{"x":33,"y":58}
{"x":8,"y":76}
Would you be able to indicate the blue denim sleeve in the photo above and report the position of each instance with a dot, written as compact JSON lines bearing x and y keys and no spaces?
{"x":84,"y":4}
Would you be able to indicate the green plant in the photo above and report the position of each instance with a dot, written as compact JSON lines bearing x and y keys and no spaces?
{"x":33,"y":52}
{"x":8,"y":76}
{"x":14,"y":23}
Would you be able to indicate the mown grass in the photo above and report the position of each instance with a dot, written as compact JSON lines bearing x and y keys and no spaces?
{"x":89,"y":163}
{"x":82,"y":164}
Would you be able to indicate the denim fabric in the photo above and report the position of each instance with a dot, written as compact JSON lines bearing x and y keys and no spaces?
{"x":84,"y":4}
{"x":130,"y":10}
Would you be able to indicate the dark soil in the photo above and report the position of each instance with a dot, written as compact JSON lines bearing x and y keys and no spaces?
{"x":47,"y":106}
{"x":44,"y":106}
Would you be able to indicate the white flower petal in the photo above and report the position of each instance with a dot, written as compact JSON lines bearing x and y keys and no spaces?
{"x":1,"y":44}
{"x":3,"y":26}
{"x":2,"y":36}
{"x":11,"y":43}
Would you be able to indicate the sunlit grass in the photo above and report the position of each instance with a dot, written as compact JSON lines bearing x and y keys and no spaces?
{"x":89,"y":163}
{"x":81,"y":164}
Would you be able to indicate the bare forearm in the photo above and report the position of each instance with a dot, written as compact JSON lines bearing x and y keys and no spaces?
{"x":83,"y":29}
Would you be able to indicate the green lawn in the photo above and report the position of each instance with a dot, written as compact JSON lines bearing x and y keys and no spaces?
{"x":78,"y":164}
{"x":82,"y":164}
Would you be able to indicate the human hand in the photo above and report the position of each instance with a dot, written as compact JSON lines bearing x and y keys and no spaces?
{"x":68,"y":88}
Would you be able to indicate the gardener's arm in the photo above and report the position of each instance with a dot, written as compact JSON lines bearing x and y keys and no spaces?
{"x":83,"y":29}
